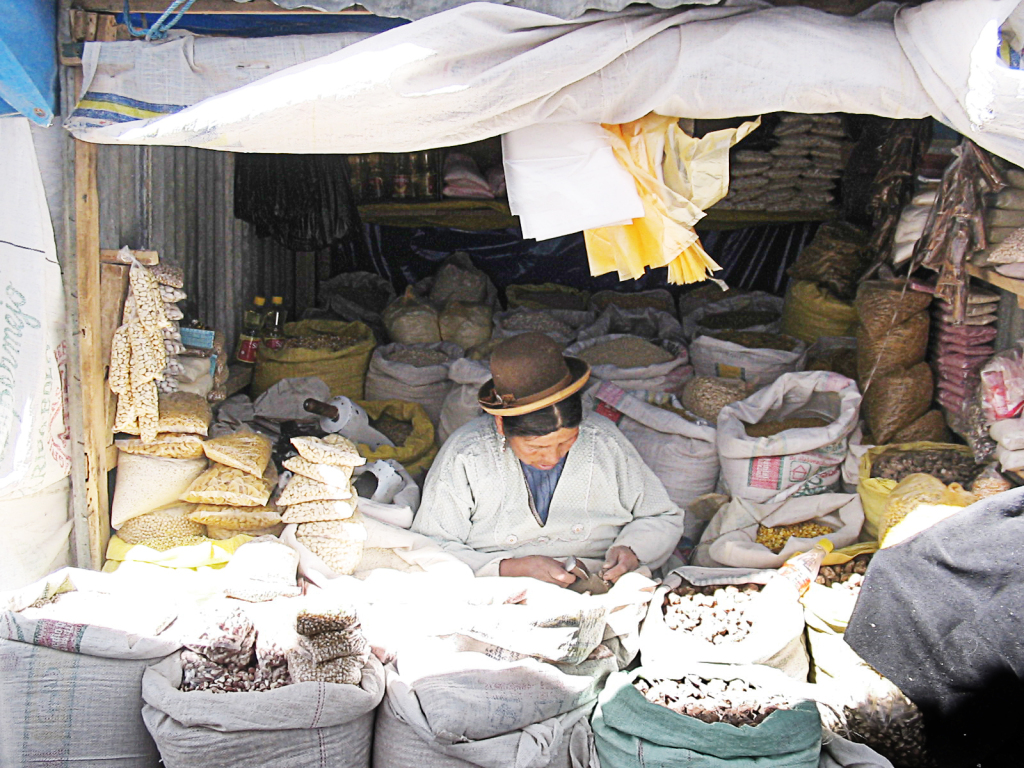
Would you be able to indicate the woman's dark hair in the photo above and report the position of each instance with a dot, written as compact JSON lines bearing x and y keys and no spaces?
{"x":565,"y":414}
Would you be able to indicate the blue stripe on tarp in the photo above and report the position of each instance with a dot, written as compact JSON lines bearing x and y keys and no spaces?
{"x":104,"y":115}
{"x":271,"y":25}
{"x":114,"y":98}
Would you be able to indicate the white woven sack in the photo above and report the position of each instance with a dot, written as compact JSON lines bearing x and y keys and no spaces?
{"x":309,"y":724}
{"x":757,"y":300}
{"x":571,"y":319}
{"x":403,"y":738}
{"x":646,"y":323}
{"x":71,"y":690}
{"x":758,"y":367}
{"x":731,"y":536}
{"x":461,"y":405}
{"x":682,"y":455}
{"x":387,"y":379}
{"x":797,"y":462}
{"x":776,"y":638}
{"x":661,"y":377}
{"x":36,"y":530}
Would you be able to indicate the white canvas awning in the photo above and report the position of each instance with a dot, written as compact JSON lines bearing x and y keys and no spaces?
{"x":482,"y":70}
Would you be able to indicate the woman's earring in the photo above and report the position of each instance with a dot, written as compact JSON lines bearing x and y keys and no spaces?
{"x":502,"y":439}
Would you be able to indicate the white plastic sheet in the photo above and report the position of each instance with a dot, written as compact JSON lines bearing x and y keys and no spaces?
{"x":482,"y":70}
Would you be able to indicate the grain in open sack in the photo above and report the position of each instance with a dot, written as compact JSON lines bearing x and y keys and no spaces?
{"x":172,"y":524}
{"x":325,"y":473}
{"x":706,"y":396}
{"x":335,"y":450}
{"x":320,"y":511}
{"x":223,"y":485}
{"x":301,"y":489}
{"x":626,"y":352}
{"x":247,"y":451}
{"x":236,"y":518}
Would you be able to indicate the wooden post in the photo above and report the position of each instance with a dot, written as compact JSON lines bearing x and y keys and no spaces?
{"x":91,"y":365}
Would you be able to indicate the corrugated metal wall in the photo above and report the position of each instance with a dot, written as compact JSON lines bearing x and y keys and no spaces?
{"x":179,"y":201}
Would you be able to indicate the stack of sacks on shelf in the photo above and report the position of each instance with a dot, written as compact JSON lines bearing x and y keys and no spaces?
{"x":959,"y":351}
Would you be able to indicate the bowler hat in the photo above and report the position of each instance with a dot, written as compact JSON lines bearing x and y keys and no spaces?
{"x":528,"y":373}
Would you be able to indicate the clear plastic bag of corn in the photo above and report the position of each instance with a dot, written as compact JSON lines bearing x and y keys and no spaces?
{"x":775,"y":538}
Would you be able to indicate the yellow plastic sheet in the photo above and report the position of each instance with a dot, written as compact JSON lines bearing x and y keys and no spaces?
{"x":209,"y":553}
{"x":672,"y":171}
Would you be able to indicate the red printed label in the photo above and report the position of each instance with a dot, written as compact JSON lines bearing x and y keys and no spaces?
{"x":247,"y":347}
{"x":612,"y":414}
{"x":58,"y":635}
{"x":274,"y":343}
{"x":765,"y":472}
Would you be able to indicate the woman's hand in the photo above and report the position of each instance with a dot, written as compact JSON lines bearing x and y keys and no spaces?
{"x":538,"y":567}
{"x":619,"y":560}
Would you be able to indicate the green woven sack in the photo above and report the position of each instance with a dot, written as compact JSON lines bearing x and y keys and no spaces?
{"x":631,"y":732}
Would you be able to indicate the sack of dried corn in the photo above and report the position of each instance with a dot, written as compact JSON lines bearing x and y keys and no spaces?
{"x":766,"y":627}
{"x":415,"y":373}
{"x":647,"y":323}
{"x":745,"y":534}
{"x":789,"y":439}
{"x":681,"y":453}
{"x":310,"y":723}
{"x":755,"y":357}
{"x":755,"y":311}
{"x":73,"y":649}
{"x":635,"y":364}
{"x":461,"y":404}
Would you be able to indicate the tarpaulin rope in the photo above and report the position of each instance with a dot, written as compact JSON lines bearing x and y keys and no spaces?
{"x":160,"y":28}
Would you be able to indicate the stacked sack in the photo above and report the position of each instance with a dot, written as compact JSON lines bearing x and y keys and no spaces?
{"x":233,"y":493}
{"x":153,"y":474}
{"x":958,"y":352}
{"x":171,"y":279}
{"x":825,"y":274}
{"x":138,"y":357}
{"x":798,"y":174}
{"x":331,"y":648}
{"x":892,"y":339}
{"x":1004,"y":228}
{"x":248,"y":454}
{"x":321,"y":503}
{"x":414,"y":373}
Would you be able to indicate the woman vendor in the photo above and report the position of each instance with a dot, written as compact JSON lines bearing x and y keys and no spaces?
{"x":517,"y":492}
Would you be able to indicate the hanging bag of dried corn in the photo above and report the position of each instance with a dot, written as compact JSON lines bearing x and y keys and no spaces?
{"x":756,"y":311}
{"x":635,"y":364}
{"x":722,"y":616}
{"x":744,"y":534}
{"x":415,"y":373}
{"x":310,"y":723}
{"x":789,"y":439}
{"x":740,"y":716}
{"x":680,"y":453}
{"x":754,"y":357}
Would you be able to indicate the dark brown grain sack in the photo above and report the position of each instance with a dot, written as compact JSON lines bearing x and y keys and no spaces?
{"x":896,"y":400}
{"x":881,"y":304}
{"x":904,"y":346}
{"x":929,"y":428}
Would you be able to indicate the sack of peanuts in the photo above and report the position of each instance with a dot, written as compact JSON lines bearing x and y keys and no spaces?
{"x":722,"y":616}
{"x":789,"y":439}
{"x":745,"y":534}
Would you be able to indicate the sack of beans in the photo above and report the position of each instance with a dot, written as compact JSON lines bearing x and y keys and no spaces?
{"x":415,"y":373}
{"x":722,"y":616}
{"x":681,"y":453}
{"x":790,"y":438}
{"x":709,"y":716}
{"x":633,"y":363}
{"x":744,"y":534}
{"x":754,"y":311}
{"x":647,"y":323}
{"x":755,"y":357}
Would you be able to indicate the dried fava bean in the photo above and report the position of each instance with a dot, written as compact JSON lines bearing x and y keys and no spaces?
{"x":325,"y":473}
{"x":169,"y":522}
{"x":301,"y":489}
{"x":335,"y":450}
{"x":236,"y":518}
{"x":320,"y":511}
{"x":120,"y":361}
{"x":172,"y":295}
{"x":316,"y":619}
{"x":228,"y":486}
{"x":167,"y":274}
{"x":775,"y":538}
{"x":173,"y":333}
{"x":328,"y":646}
{"x":219,"y":534}
{"x":172,"y":312}
{"x":185,"y":412}
{"x":145,"y":399}
{"x":347,"y":670}
{"x":224,"y":635}
{"x":148,"y":356}
{"x":146,"y":291}
{"x":167,"y":385}
{"x":247,"y":451}
{"x":174,"y":347}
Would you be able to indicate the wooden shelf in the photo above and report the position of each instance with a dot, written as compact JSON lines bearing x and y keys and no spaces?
{"x":474,"y":215}
{"x":990,"y":276}
{"x":721,"y":219}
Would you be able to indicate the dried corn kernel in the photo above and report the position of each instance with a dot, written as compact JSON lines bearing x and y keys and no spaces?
{"x":148,"y":305}
{"x":120,"y":361}
{"x":775,"y":538}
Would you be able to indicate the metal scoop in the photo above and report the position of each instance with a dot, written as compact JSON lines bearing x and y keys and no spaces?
{"x":585,"y":581}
